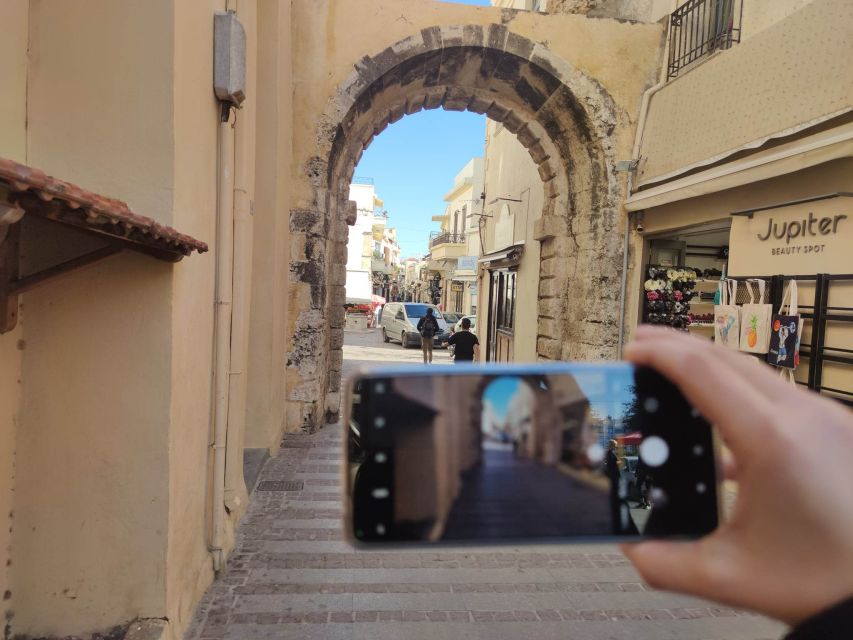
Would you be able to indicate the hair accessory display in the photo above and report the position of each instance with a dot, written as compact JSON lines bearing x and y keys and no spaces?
{"x":668,"y":294}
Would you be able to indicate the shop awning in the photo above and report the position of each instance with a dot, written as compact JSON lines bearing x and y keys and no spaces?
{"x":67,"y":227}
{"x":505,"y":257}
{"x":37,"y":193}
{"x":633,"y":438}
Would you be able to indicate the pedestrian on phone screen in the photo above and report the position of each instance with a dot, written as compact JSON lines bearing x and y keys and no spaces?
{"x":466,"y":345}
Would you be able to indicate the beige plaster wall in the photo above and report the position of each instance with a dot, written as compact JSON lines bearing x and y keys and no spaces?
{"x":744,"y":95}
{"x":830,"y":177}
{"x":195,"y":115}
{"x":511,"y":173}
{"x":92,"y":481}
{"x":13,"y":75}
{"x":270,"y":295}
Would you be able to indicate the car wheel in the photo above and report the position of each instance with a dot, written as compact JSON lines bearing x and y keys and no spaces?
{"x":385,"y":337}
{"x":403,"y":342}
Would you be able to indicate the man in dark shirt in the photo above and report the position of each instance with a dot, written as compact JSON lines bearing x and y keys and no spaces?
{"x":466,"y":343}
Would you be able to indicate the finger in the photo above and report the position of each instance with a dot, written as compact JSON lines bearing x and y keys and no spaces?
{"x":729,"y":466}
{"x":722,"y":392}
{"x":761,"y":376}
{"x":671,"y":566}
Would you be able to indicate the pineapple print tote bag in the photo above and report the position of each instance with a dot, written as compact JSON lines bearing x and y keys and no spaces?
{"x":755,"y":320}
{"x":727,"y":315}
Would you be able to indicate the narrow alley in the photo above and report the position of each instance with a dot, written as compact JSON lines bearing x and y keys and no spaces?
{"x":292,"y":576}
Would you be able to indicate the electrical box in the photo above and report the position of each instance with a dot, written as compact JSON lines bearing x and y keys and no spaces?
{"x":229,"y":58}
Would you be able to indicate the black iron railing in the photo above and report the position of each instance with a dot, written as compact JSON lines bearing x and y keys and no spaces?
{"x":444,"y":237}
{"x":699,"y":28}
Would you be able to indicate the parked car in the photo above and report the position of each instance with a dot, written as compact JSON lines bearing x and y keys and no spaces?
{"x":400,"y":322}
{"x":451,"y":318}
{"x":458,"y":327}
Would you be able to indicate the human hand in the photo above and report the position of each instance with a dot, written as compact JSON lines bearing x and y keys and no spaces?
{"x":787,"y":550}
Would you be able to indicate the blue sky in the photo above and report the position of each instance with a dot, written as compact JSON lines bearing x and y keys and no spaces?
{"x":413,"y":164}
{"x":500,"y":392}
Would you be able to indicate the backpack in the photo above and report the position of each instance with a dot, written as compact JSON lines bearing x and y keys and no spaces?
{"x":429,"y":327}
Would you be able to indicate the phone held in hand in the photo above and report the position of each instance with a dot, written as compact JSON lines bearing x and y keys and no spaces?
{"x":525,"y":452}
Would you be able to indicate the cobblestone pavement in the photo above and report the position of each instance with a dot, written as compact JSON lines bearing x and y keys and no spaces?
{"x":292,"y":576}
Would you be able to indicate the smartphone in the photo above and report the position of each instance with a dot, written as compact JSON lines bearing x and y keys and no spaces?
{"x":565,"y":451}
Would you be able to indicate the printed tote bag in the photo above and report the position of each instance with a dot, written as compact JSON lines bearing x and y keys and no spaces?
{"x":727,"y":316}
{"x":787,"y":329}
{"x":755,"y":320}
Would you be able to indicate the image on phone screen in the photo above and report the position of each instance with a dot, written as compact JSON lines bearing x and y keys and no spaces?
{"x":579,"y":451}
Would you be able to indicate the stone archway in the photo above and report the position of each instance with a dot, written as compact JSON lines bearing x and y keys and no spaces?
{"x":564,"y":118}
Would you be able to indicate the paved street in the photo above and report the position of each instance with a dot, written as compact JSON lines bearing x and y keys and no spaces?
{"x":293,"y":577}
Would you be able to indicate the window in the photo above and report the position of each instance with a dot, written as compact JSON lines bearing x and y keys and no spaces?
{"x":699,"y":28}
{"x":506,"y":300}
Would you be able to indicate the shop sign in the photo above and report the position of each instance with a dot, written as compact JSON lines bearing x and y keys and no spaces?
{"x":456,"y":287}
{"x":466,"y":263}
{"x":799,"y":238}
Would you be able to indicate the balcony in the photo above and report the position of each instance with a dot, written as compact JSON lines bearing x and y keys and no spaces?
{"x":446,"y":246}
{"x":698,"y":28}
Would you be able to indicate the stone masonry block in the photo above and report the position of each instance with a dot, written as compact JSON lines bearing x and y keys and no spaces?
{"x":548,"y":348}
{"x":479,"y":104}
{"x":519,"y":45}
{"x":549,"y":288}
{"x":551,"y":307}
{"x":336,"y":360}
{"x":549,"y":328}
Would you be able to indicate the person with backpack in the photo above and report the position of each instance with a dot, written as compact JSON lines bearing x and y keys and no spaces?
{"x":427,"y":327}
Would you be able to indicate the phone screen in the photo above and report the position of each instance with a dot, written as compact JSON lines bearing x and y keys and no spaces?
{"x":514,"y":453}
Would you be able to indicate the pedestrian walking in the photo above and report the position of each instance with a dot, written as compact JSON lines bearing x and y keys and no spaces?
{"x":465,"y":344}
{"x":427,"y":327}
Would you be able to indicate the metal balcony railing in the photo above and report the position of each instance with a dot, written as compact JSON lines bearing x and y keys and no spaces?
{"x":443,"y":237}
{"x":699,"y":28}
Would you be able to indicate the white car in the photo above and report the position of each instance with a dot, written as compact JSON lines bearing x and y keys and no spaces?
{"x":473,"y":329}
{"x":400,"y":319}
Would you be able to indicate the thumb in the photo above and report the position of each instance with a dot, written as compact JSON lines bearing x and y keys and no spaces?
{"x":672,"y":566}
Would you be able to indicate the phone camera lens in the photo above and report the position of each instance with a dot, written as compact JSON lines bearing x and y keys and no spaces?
{"x":701,"y":487}
{"x":698,"y":450}
{"x":380,"y":529}
{"x":380,"y":457}
{"x":379,"y":422}
{"x":651,"y":405}
{"x":379,"y":387}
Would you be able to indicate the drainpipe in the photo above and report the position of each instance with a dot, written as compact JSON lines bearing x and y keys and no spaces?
{"x":222,"y":326}
{"x":624,"y":285}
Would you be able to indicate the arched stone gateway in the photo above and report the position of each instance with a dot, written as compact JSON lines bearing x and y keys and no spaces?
{"x":572,"y":128}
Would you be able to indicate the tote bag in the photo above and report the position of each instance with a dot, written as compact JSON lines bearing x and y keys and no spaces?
{"x":755,"y":320}
{"x":787,"y":329}
{"x":727,"y":316}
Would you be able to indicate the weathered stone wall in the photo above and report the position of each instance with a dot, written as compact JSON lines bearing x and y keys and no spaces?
{"x":574,"y":120}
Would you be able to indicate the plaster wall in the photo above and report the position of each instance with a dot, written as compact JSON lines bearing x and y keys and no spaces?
{"x":511,"y":174}
{"x":92,"y":483}
{"x":270,"y":260}
{"x":195,"y":117}
{"x":708,"y":112}
{"x":13,"y":71}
